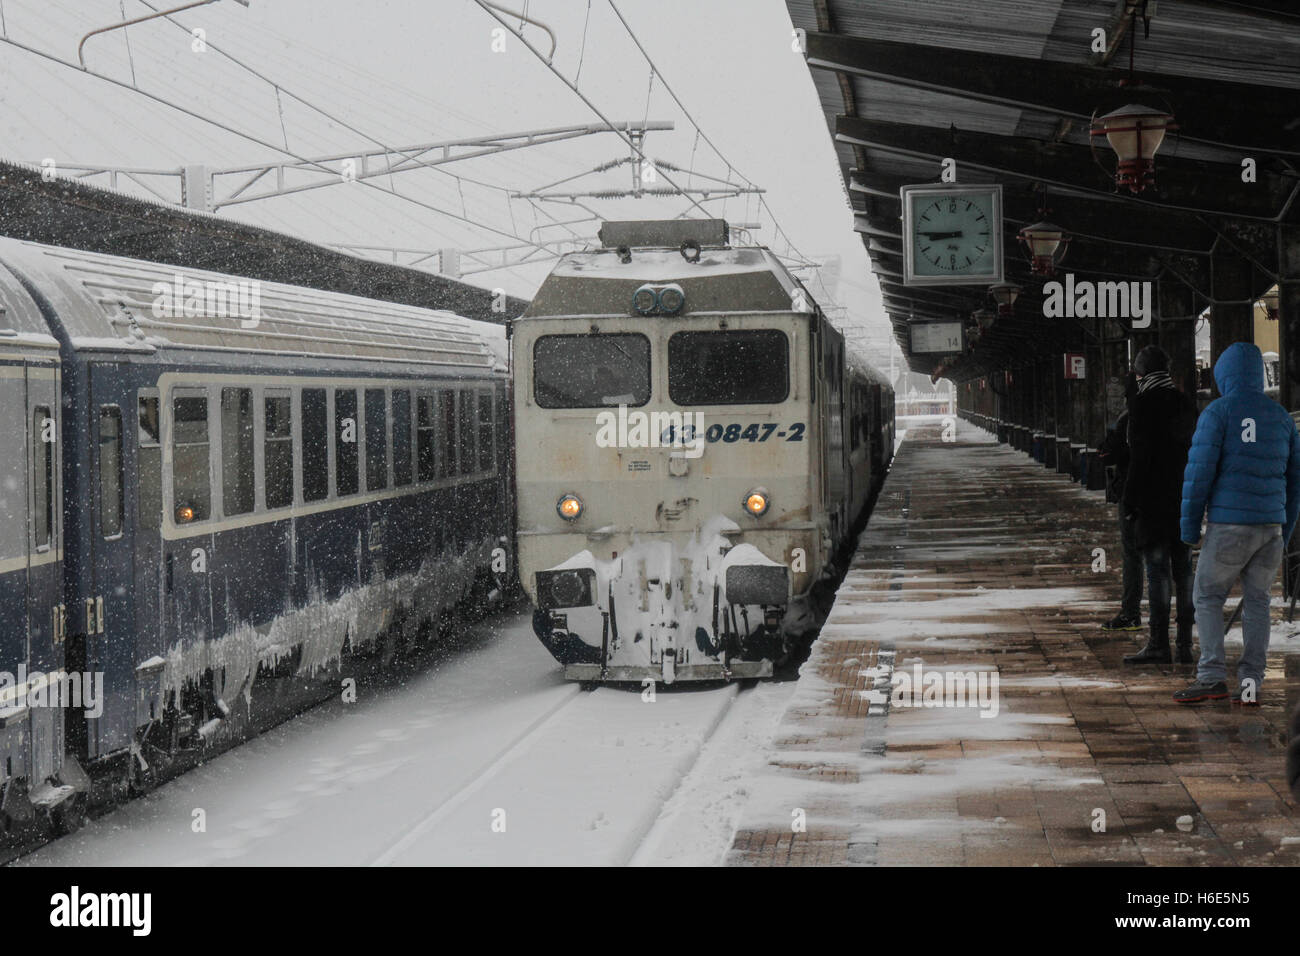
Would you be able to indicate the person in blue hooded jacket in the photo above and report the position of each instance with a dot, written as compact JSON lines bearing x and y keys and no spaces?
{"x":1244,"y":466}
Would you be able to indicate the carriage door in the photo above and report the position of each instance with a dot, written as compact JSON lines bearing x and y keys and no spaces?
{"x":108,"y":613}
{"x":44,"y":650}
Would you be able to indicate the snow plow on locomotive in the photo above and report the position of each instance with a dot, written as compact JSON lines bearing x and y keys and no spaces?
{"x":694,"y":450}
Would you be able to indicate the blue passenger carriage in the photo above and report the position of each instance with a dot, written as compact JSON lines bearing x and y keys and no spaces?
{"x":260,"y":480}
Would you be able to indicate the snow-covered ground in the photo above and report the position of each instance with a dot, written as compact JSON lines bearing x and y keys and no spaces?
{"x":485,"y":757}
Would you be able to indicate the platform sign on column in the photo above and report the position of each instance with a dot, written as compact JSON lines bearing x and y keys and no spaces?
{"x":1075,"y":365}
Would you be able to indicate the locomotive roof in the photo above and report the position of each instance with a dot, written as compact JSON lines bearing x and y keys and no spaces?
{"x":113,"y":303}
{"x":598,"y":282}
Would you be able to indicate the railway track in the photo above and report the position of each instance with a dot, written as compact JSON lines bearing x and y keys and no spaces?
{"x":597,"y":811}
{"x":487,"y":757}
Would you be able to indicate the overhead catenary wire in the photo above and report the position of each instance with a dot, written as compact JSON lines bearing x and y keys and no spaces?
{"x":627,"y":140}
{"x":341,"y":122}
{"x":205,"y":130}
{"x":332,"y":219}
{"x":248,"y":136}
{"x":691,"y":119}
{"x":201,"y":135}
{"x":278,"y":88}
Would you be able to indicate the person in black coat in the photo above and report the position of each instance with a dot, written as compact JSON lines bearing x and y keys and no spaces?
{"x":1161,"y":423}
{"x":1113,"y":451}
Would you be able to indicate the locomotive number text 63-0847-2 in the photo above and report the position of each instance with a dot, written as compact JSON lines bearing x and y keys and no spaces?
{"x":734,"y":432}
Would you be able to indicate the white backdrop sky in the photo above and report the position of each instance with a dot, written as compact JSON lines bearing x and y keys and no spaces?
{"x":409,"y":71}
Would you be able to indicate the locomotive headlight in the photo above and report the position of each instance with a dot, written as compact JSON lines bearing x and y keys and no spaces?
{"x":569,"y":507}
{"x":184,"y":514}
{"x":756,"y":502}
{"x":644,"y":300}
{"x":671,"y":299}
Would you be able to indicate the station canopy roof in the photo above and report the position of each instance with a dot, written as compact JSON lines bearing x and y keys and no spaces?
{"x":1009,"y":89}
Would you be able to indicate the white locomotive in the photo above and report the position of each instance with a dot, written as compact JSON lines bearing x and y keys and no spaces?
{"x":694,"y":450}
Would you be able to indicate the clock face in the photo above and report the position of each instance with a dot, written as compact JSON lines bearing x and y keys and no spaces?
{"x":953,"y":235}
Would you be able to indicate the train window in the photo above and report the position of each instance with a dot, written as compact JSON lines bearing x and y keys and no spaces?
{"x":238,"y":478}
{"x":43,"y":439}
{"x":277,"y":452}
{"x":741,"y":367}
{"x":591,"y":371}
{"x":485,"y":431}
{"x":426,"y":422}
{"x":110,"y":470}
{"x":191,"y":481}
{"x":401,"y":437}
{"x":376,"y":439}
{"x":465,"y":431}
{"x":315,"y":445}
{"x":447,"y":432}
{"x":148,"y":479}
{"x":346,"y":479}
{"x":147,"y":431}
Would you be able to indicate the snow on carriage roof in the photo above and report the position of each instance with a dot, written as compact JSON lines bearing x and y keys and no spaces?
{"x":21,"y":321}
{"x":120,"y":304}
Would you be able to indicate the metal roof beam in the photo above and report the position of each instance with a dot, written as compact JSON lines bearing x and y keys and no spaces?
{"x":1240,"y":112}
{"x":1180,"y":185}
{"x":1092,"y":218}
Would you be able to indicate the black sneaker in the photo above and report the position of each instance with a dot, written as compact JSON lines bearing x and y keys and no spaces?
{"x":1239,"y":692}
{"x":1199,"y":693}
{"x":1123,"y":622}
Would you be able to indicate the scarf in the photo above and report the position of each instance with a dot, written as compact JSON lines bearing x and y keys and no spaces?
{"x":1155,"y":380}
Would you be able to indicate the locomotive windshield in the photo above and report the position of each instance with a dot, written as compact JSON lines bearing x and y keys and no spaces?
{"x":591,"y":371}
{"x":748,"y":367}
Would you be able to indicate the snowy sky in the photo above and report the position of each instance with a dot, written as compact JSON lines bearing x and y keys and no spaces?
{"x":402,"y":72}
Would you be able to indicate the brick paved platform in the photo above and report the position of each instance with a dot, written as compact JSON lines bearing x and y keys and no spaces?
{"x":978,"y":563}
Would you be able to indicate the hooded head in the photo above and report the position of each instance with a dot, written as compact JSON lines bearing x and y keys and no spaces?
{"x":1239,"y":369}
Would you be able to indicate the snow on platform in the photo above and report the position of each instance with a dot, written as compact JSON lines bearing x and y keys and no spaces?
{"x":975,"y":576}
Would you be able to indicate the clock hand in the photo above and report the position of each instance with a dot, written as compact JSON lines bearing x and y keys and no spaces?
{"x":941,"y":235}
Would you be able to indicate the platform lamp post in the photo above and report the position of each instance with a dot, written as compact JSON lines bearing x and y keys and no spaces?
{"x":1046,"y":243}
{"x":1269,"y":300}
{"x":1005,"y":295}
{"x":1134,"y":132}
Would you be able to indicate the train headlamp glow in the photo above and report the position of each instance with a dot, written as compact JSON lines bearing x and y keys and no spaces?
{"x":756,"y":502}
{"x":644,"y":300}
{"x":184,"y":514}
{"x":569,"y":507}
{"x":671,"y":299}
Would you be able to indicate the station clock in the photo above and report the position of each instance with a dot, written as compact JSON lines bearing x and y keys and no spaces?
{"x":952,"y":234}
